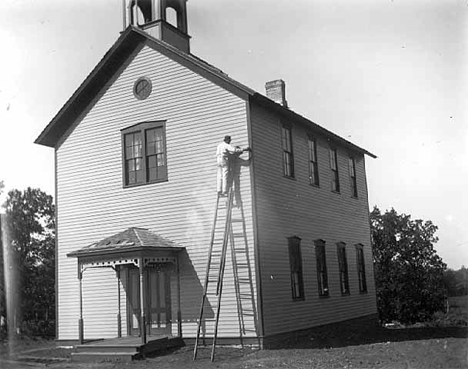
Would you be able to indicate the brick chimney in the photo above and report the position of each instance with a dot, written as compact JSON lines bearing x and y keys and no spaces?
{"x":276,"y":91}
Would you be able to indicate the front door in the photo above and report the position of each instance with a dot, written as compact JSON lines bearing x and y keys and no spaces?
{"x":158,"y":301}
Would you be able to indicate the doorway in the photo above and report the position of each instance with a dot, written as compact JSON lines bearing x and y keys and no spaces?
{"x":158,"y":301}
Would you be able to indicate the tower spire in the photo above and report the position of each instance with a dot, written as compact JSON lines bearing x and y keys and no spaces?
{"x":165,"y":20}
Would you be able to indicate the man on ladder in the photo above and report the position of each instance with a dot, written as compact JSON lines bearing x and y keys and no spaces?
{"x":225,"y":153}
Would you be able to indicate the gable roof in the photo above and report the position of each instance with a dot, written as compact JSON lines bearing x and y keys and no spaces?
{"x":132,"y":239}
{"x":126,"y":44}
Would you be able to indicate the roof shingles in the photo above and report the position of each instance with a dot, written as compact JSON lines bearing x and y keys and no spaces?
{"x":132,"y":238}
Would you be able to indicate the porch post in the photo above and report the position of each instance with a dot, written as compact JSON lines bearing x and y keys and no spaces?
{"x":179,"y":312}
{"x":119,"y":316}
{"x":80,"y":320}
{"x":142,"y":303}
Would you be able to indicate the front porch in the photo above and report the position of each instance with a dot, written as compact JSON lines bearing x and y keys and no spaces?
{"x":146,"y":296}
{"x":124,"y":348}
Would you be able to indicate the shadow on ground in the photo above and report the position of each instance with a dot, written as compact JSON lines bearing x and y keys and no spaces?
{"x":331,"y":338}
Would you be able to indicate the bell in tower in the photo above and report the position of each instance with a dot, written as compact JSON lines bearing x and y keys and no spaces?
{"x":165,"y":20}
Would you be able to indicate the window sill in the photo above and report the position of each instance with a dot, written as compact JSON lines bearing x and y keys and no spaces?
{"x":314,"y":185}
{"x":337,"y":192}
{"x":298,"y":299}
{"x":324,"y":296}
{"x":291,"y":178}
{"x":145,"y":184}
{"x":345,"y":293}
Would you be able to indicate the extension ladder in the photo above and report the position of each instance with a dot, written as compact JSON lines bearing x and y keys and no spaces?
{"x":233,"y":233}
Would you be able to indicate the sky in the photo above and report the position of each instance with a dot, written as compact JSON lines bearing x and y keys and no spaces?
{"x":389,"y":75}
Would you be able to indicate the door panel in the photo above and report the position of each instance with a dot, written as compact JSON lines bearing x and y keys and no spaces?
{"x":134,"y":301}
{"x":158,"y":301}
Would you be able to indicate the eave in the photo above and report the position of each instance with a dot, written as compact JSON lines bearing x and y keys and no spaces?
{"x":290,"y":115}
{"x":144,"y":250}
{"x":125,"y":45}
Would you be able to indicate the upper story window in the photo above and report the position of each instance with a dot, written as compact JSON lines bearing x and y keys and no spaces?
{"x":295,"y":262}
{"x":352,"y":177}
{"x":322,"y":276}
{"x":361,"y":268}
{"x":343,"y":268}
{"x":144,"y":153}
{"x":288,"y":158}
{"x":313,"y":165}
{"x":335,"y":180}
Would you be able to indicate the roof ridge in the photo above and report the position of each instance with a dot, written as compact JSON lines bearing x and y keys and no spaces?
{"x":138,"y":236}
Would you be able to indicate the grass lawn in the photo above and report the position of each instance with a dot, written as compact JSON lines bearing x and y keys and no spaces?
{"x":424,"y":348}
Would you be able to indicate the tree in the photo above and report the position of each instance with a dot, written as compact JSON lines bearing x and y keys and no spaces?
{"x":456,"y":281}
{"x":31,"y":228}
{"x":408,"y":272}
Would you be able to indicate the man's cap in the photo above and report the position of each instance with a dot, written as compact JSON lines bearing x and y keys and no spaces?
{"x":227,"y":138}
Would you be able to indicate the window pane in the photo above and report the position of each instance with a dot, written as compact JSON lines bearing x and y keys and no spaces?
{"x":151,"y":163}
{"x":312,"y":150}
{"x":150,"y":148}
{"x":129,"y":138}
{"x":137,"y":163}
{"x":140,"y":178}
{"x":161,"y":161}
{"x":150,"y":135}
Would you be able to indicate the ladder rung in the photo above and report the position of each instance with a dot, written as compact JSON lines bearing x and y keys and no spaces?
{"x":238,"y":235}
{"x":236,"y":220}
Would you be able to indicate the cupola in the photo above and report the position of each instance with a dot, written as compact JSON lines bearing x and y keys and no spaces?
{"x":165,"y":20}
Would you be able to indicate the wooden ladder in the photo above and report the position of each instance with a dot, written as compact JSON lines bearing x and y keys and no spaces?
{"x":233,"y":233}
{"x":243,"y":283}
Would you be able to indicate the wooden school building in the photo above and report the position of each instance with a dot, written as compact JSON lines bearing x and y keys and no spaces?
{"x":136,"y":199}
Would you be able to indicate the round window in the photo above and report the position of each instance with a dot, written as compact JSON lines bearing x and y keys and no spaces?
{"x":142,"y":88}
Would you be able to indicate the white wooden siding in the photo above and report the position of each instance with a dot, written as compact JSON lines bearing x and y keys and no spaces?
{"x":92,"y":203}
{"x":293,"y":207}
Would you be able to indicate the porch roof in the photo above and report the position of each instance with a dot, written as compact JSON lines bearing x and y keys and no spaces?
{"x":131,"y":240}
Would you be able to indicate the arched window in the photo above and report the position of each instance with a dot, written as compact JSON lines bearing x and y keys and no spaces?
{"x":142,"y":12}
{"x":171,"y":16}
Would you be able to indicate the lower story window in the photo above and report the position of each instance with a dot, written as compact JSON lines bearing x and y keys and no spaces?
{"x":295,"y":262}
{"x":322,"y":276}
{"x":361,"y":267}
{"x":343,"y":268}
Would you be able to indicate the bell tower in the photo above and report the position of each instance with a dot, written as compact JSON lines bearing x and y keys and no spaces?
{"x":165,"y":20}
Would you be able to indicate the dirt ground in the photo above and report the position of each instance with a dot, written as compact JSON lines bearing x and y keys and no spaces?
{"x":415,"y":348}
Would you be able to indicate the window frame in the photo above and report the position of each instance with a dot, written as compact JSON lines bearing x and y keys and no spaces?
{"x":361,"y":268}
{"x":295,"y":266}
{"x":335,"y":180}
{"x":343,"y":268}
{"x":352,"y":176}
{"x":314,"y":178}
{"x":288,"y":167}
{"x":142,"y":128}
{"x":322,"y":273}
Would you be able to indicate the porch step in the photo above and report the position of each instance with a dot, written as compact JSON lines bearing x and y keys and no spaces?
{"x":93,"y":357}
{"x":122,"y":350}
{"x":107,"y":348}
